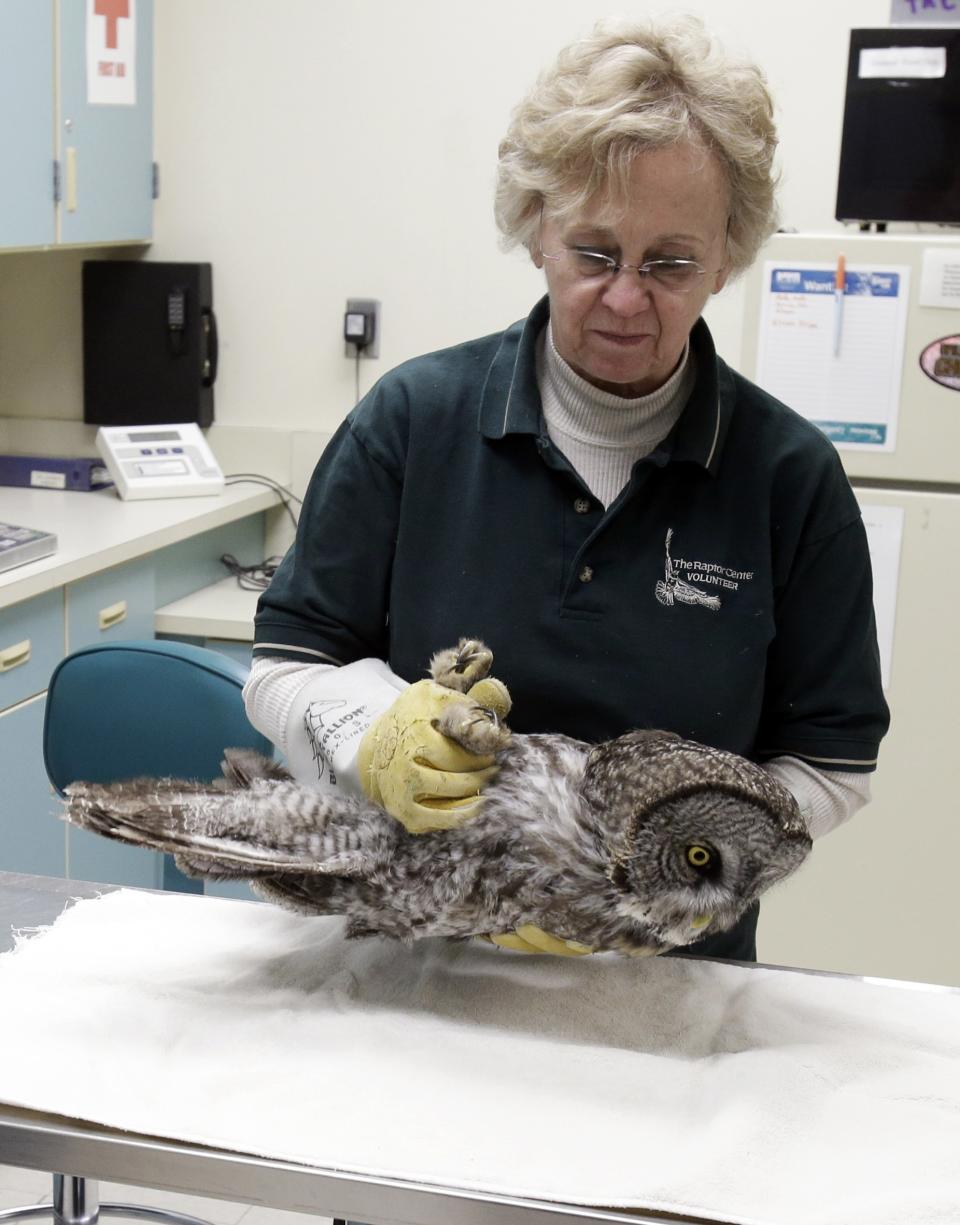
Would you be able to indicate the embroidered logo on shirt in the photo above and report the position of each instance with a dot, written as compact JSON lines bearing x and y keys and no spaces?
{"x":696,"y":575}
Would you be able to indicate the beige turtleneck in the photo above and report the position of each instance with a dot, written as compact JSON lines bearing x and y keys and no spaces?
{"x":602,"y":434}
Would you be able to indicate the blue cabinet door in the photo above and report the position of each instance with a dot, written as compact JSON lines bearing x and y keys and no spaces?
{"x":105,"y":144}
{"x":26,"y":123}
{"x":32,"y":839}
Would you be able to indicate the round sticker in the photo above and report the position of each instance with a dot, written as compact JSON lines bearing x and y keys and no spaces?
{"x":940,"y":361}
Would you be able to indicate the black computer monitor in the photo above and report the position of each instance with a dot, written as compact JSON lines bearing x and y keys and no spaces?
{"x":900,"y":154}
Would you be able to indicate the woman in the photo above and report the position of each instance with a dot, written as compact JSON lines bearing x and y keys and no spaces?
{"x":642,"y":536}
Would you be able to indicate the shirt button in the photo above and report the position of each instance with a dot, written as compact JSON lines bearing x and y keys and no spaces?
{"x":581,"y":506}
{"x":586,"y":574}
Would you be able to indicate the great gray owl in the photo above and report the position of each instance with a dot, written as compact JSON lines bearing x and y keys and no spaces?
{"x":638,"y":844}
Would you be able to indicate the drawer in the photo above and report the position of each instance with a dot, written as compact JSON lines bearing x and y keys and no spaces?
{"x":32,"y":838}
{"x":31,"y":646}
{"x":111,"y":606}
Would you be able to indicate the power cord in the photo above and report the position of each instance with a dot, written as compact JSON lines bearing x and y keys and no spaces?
{"x":252,"y":578}
{"x":257,"y":478}
{"x":257,"y":577}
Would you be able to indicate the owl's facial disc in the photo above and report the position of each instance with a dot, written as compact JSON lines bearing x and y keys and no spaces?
{"x":698,"y":862}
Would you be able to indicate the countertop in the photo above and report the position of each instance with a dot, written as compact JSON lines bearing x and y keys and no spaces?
{"x":98,"y":530}
{"x":222,"y":610}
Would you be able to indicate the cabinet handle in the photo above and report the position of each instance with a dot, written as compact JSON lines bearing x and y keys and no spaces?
{"x":13,"y":657}
{"x":70,"y":193}
{"x":109,"y":617}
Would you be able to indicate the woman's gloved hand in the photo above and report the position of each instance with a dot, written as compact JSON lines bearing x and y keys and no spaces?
{"x":531,"y":939}
{"x":421,"y":776}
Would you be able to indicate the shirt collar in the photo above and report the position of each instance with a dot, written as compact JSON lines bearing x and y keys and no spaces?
{"x":699,"y":435}
{"x":510,"y":399}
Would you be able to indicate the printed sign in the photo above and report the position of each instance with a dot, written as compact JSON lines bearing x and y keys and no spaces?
{"x":925,"y":12}
{"x":832,"y":346}
{"x":111,"y":52}
{"x":903,"y":62}
{"x":940,"y":279}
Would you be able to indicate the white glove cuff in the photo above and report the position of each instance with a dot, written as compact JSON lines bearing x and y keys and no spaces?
{"x":328,"y":718}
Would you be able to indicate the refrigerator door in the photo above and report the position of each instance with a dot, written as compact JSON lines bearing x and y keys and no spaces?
{"x":879,"y":896}
{"x":878,"y":370}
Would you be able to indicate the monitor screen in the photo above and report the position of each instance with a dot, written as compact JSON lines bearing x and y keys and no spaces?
{"x":900,"y":152}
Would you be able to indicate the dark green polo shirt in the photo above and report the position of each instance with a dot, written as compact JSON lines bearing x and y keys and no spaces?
{"x":725,"y":595}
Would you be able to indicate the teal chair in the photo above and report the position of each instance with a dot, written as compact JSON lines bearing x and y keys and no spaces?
{"x":120,"y":710}
{"x":144,"y":708}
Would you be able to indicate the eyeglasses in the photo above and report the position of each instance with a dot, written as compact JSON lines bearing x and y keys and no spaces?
{"x":677,"y":275}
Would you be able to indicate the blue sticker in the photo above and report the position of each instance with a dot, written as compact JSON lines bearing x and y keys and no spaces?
{"x":841,"y":432}
{"x":822,"y":281}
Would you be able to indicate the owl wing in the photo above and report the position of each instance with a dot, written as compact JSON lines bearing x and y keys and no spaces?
{"x":274,"y":826}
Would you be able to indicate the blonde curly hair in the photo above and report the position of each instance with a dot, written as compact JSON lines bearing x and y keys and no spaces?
{"x":626,"y":88}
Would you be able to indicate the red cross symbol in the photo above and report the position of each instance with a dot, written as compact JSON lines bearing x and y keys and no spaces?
{"x":113,"y":10}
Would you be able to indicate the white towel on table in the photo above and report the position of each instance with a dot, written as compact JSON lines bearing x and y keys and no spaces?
{"x":735,"y":1094}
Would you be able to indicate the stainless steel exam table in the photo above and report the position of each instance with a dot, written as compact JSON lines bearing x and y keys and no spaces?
{"x":49,"y":1142}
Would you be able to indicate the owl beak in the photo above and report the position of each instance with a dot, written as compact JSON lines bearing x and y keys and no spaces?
{"x":701,"y":921}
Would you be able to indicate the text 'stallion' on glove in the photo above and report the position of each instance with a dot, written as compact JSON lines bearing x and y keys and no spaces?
{"x":420,"y":776}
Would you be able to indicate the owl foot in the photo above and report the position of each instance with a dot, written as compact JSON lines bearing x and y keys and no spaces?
{"x":477,"y":728}
{"x":461,"y":666}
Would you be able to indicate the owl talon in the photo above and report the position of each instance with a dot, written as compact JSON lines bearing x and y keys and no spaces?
{"x":460,"y":667}
{"x":477,"y":728}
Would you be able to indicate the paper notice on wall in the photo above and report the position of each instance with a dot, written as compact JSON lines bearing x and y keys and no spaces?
{"x":111,"y":52}
{"x":836,"y":356}
{"x":884,"y":526}
{"x":940,"y":277}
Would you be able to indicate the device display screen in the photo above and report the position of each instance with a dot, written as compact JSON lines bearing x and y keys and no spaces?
{"x":155,"y":436}
{"x":161,"y":467}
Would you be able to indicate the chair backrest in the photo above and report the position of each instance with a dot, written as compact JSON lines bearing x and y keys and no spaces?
{"x":144,"y":708}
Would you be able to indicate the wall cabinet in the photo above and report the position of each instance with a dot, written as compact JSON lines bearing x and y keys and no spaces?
{"x":75,"y":168}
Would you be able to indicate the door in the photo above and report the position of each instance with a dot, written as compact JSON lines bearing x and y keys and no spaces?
{"x":26,"y":123}
{"x":105,"y":136}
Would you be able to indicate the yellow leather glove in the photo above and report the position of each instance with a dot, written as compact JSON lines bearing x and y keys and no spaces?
{"x":531,"y":939}
{"x":419,"y":775}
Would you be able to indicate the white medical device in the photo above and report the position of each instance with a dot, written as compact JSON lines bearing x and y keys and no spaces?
{"x":159,"y":461}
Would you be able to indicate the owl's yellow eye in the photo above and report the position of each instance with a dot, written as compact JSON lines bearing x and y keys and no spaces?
{"x":698,"y":856}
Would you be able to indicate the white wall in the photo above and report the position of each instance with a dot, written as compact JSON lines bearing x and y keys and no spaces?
{"x":314,"y":150}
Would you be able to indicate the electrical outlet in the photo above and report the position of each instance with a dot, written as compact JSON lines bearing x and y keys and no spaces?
{"x":364,"y":306}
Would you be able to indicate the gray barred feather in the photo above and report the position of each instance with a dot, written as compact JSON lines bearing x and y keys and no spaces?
{"x":592,"y":843}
